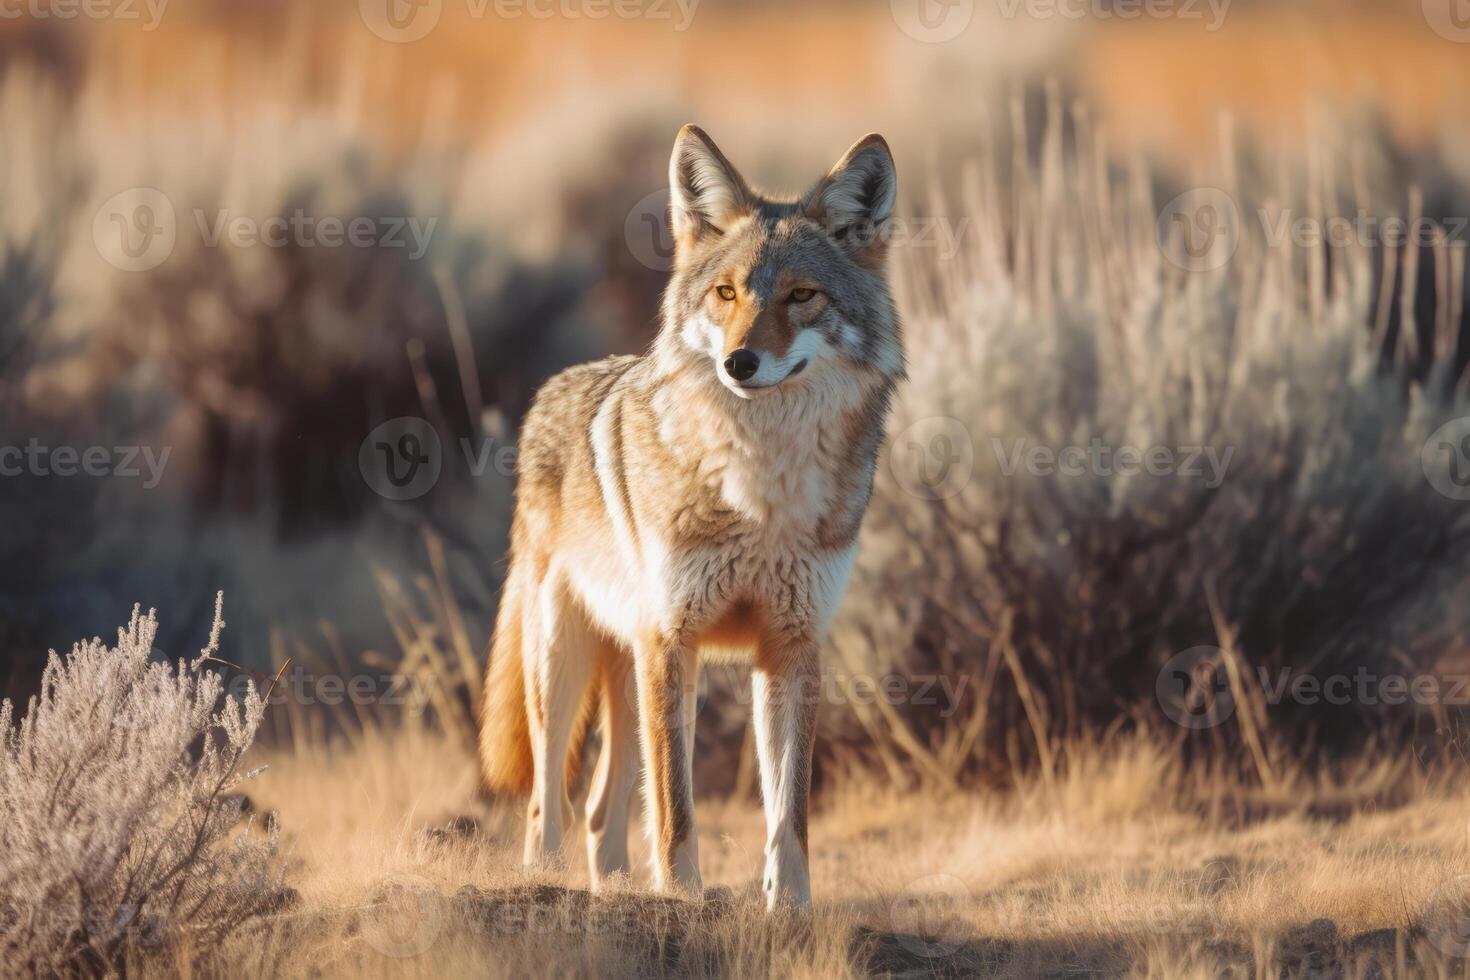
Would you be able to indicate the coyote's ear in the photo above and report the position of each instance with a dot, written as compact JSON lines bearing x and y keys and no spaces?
{"x":706,"y":192}
{"x":855,"y":200}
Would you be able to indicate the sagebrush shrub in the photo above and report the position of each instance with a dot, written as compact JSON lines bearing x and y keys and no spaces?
{"x":1294,"y":525}
{"x":119,"y":831}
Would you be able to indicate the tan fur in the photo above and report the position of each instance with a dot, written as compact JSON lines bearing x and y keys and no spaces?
{"x":506,"y":762}
{"x":666,"y":511}
{"x":505,"y":733}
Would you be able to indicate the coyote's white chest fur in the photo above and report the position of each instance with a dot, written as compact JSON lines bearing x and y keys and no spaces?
{"x":775,"y":464}
{"x":769,"y":472}
{"x":771,"y":461}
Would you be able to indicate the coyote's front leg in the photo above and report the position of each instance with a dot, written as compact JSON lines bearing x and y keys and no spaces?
{"x":785,"y":685}
{"x":668,"y":678}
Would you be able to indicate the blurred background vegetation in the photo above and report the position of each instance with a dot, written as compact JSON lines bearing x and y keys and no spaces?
{"x":1043,"y":145}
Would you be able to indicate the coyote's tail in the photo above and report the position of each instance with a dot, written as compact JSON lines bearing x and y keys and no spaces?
{"x":506,"y":761}
{"x":505,"y":732}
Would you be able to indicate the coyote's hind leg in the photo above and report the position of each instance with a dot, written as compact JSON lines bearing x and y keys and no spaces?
{"x":560,"y":652}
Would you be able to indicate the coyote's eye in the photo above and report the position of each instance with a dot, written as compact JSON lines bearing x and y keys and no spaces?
{"x":802,"y":295}
{"x":726,"y":293}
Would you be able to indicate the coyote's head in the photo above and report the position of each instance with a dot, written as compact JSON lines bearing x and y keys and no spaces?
{"x":775,"y":293}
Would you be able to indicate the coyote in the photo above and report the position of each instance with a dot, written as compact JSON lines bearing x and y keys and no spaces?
{"x":702,"y":499}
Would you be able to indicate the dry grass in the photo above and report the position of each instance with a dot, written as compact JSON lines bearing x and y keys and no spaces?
{"x":1119,"y":868}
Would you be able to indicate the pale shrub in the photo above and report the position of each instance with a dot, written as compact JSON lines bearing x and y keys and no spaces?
{"x":1317,"y":546}
{"x":118,"y":828}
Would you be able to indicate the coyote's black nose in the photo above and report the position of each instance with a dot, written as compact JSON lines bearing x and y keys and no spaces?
{"x":742,"y":364}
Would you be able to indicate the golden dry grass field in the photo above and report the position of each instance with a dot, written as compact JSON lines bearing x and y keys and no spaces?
{"x":1053,"y":815}
{"x":1126,"y":865}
